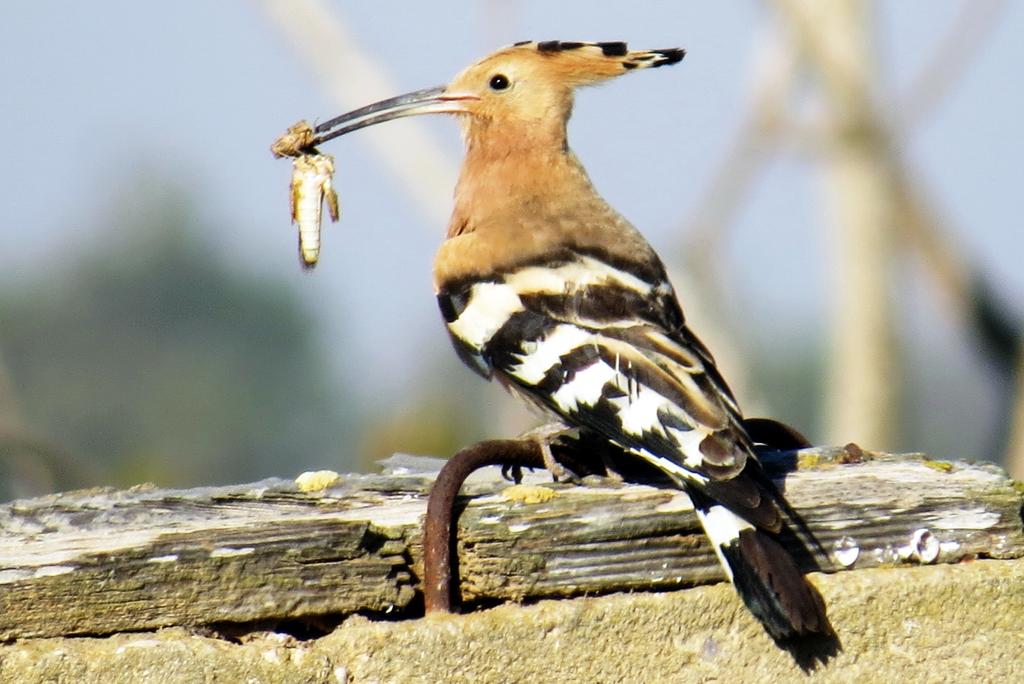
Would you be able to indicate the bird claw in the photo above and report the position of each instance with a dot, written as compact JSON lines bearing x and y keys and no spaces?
{"x":512,"y":472}
{"x":544,"y":436}
{"x":609,"y":470}
{"x":557,"y":470}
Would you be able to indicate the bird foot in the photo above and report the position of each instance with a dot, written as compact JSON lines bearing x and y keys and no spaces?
{"x":609,"y":470}
{"x":513,"y":472}
{"x":544,"y":436}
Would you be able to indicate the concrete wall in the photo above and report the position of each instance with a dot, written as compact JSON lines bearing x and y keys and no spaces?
{"x":913,"y":624}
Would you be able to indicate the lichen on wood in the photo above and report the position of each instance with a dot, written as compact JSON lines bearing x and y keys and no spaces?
{"x":104,"y":561}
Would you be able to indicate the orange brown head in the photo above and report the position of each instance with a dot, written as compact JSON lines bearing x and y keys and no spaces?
{"x":529,"y":84}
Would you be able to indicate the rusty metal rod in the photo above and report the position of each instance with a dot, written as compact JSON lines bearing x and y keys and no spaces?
{"x":438,"y":526}
{"x":439,"y":523}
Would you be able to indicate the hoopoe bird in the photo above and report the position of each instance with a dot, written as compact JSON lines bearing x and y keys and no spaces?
{"x":547,"y":289}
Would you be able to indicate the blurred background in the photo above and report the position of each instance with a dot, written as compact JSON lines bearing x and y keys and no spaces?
{"x":832,"y":183}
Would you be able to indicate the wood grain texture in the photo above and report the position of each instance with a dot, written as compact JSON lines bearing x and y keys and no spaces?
{"x":104,"y":561}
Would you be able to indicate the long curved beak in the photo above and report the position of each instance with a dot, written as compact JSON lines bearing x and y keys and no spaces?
{"x":427,"y":101}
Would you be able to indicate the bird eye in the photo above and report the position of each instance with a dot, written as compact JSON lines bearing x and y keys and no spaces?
{"x":499,"y":82}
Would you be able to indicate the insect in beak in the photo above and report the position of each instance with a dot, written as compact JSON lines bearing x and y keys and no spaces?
{"x":312,"y":174}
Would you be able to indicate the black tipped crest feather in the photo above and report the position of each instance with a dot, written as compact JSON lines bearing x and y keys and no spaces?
{"x":617,"y":49}
{"x":633,"y":60}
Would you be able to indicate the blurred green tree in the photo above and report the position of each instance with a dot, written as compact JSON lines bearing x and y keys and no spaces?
{"x":156,"y":360}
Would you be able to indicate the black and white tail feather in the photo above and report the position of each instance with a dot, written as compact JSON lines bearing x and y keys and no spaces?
{"x":603,"y":345}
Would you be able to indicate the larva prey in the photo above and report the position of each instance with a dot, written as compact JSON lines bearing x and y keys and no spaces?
{"x":312,"y":186}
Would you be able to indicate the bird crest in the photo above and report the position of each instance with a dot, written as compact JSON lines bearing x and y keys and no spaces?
{"x":571,"y":63}
{"x":584,"y":63}
{"x":528,"y":87}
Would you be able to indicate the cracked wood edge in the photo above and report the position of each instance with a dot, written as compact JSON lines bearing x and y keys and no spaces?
{"x":104,"y":561}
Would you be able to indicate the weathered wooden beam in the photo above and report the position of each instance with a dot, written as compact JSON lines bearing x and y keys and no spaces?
{"x":104,"y":561}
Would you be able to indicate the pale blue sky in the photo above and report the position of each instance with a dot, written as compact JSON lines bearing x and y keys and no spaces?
{"x":195,"y":91}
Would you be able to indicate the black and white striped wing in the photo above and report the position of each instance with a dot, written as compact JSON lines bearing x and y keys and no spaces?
{"x":607,"y":350}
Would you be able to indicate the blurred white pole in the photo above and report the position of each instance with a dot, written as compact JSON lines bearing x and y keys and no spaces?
{"x":1015,"y":450}
{"x":864,"y":378}
{"x":353,"y":78}
{"x":965,"y":36}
